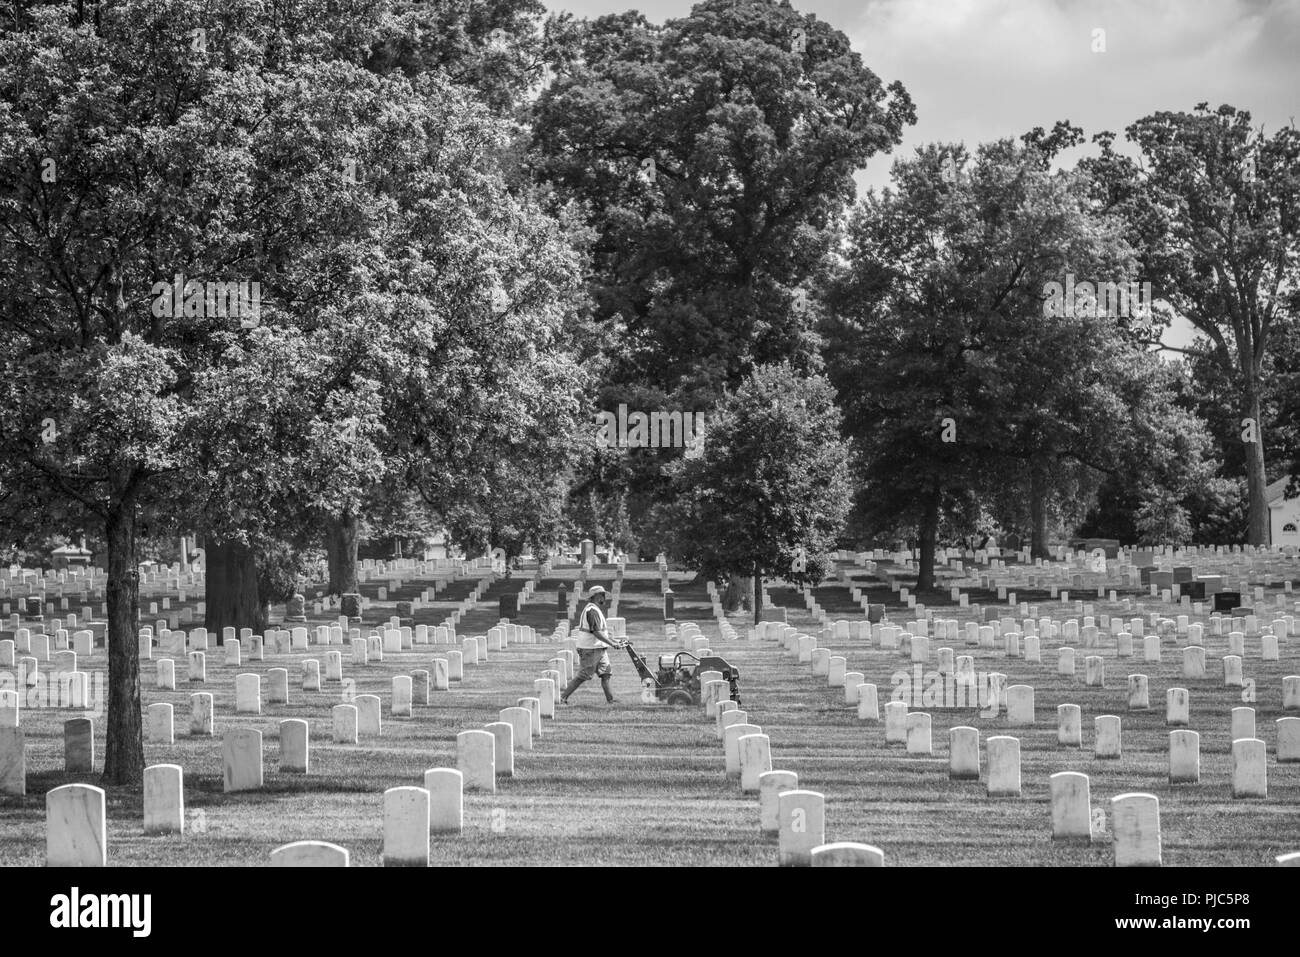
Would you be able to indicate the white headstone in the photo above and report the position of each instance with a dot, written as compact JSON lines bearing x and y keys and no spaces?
{"x":1020,"y":705}
{"x":545,"y":692}
{"x":1094,"y":671}
{"x":161,"y":729}
{"x":711,"y":692}
{"x":248,"y":694}
{"x":402,"y":695}
{"x":1242,"y":724}
{"x":406,"y":827}
{"x":521,"y":719}
{"x":75,"y":834}
{"x":1106,"y":728}
{"x":896,"y":722}
{"x":241,"y":759}
{"x":836,"y":668}
{"x":369,"y":722}
{"x":770,"y":786}
{"x":13,"y":762}
{"x":446,"y":800}
{"x":1184,"y":757}
{"x":201,"y":714}
{"x":277,"y":682}
{"x":164,"y":799}
{"x":1004,"y":766}
{"x":1069,"y":730}
{"x":1139,"y":698}
{"x":918,"y":734}
{"x":476,"y":758}
{"x":1151,"y":648}
{"x":534,"y":706}
{"x":1249,"y":768}
{"x":847,"y":854}
{"x":1071,"y":806}
{"x":504,"y":733}
{"x":1288,"y":740}
{"x":1136,"y":822}
{"x":79,"y":745}
{"x":731,"y":747}
{"x":1177,"y":707}
{"x":295,"y":748}
{"x":802,"y":821}
{"x":852,"y":680}
{"x":9,"y":709}
{"x":868,"y":707}
{"x":309,"y":854}
{"x":755,"y":752}
{"x":1232,"y":671}
{"x":963,"y":753}
{"x":345,"y":724}
{"x":1291,"y":693}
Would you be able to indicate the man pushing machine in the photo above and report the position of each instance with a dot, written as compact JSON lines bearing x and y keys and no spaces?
{"x":593,"y":644}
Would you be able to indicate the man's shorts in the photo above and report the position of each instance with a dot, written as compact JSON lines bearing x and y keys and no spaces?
{"x":592,"y":662}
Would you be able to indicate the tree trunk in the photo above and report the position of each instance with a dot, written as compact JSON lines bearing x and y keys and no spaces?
{"x":124,"y":749}
{"x":758,"y":595}
{"x":1258,"y":531}
{"x":929,"y":538}
{"x":332,"y":558}
{"x":343,"y":530}
{"x":1038,"y":513}
{"x":737,"y":593}
{"x":231,"y":591}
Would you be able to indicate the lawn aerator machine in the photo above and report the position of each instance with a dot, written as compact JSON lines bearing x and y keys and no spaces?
{"x":678,"y":681}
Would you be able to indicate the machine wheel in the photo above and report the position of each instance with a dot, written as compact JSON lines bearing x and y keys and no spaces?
{"x":648,"y":696}
{"x":680,"y":698}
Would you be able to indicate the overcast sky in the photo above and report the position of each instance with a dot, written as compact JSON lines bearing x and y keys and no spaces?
{"x":980,"y":70}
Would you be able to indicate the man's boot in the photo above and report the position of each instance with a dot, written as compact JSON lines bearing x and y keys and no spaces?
{"x":609,"y":695}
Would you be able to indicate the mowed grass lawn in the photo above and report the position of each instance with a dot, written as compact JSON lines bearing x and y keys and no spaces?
{"x":635,"y":784}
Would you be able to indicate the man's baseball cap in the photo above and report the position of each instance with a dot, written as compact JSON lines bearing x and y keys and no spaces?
{"x":595,"y":590}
